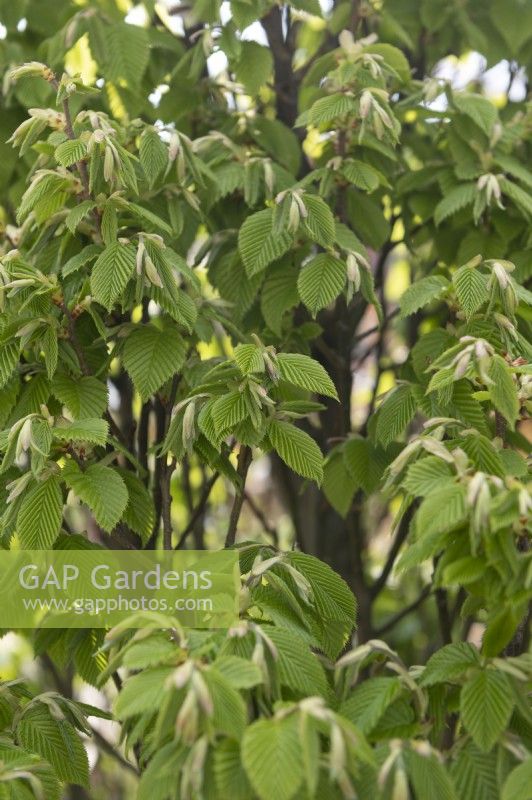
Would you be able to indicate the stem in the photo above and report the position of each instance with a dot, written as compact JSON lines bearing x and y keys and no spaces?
{"x":198,"y":511}
{"x":244,"y":460}
{"x":392,"y":622}
{"x":166,"y":512}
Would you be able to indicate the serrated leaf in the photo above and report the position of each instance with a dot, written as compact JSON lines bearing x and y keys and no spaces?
{"x":40,"y":514}
{"x":327,"y":109}
{"x":142,"y":693}
{"x":127,"y":51}
{"x":259,"y":244}
{"x":517,"y":784}
{"x":442,"y":510}
{"x":319,"y":222}
{"x":456,"y":199}
{"x":101,"y":489}
{"x":422,"y":292}
{"x":111,"y":272}
{"x":273,"y":741}
{"x":94,"y":431}
{"x":305,"y":372}
{"x":228,"y":411}
{"x":475,"y":774}
{"x":486,"y":705}
{"x":84,"y":397}
{"x":153,"y":154}
{"x":503,"y":391}
{"x":429,"y":777}
{"x":361,"y":175}
{"x":471,"y":289}
{"x":321,"y":281}
{"x":426,"y":475}
{"x":249,"y":358}
{"x":231,"y":779}
{"x":254,"y":66}
{"x":478,"y":108}
{"x":450,"y":662}
{"x":9,"y":355}
{"x":279,"y":293}
{"x":297,"y":449}
{"x":70,"y":152}
{"x":152,"y":355}
{"x":56,"y":741}
{"x":394,"y":414}
{"x":338,"y":484}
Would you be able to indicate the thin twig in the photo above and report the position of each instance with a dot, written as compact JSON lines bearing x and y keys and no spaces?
{"x":108,"y":748}
{"x":199,"y":510}
{"x":244,"y":460}
{"x":259,"y":513}
{"x":392,"y":622}
{"x":400,"y":537}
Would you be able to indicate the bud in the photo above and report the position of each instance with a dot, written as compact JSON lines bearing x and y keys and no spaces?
{"x":108,"y":164}
{"x":31,"y":69}
{"x":202,"y":693}
{"x":353,"y":271}
{"x":400,"y":785}
{"x":366,"y":101}
{"x":189,"y":430}
{"x":293,"y":216}
{"x":151,"y":272}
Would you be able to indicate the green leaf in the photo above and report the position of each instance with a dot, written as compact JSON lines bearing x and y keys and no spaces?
{"x":475,"y":774}
{"x":140,"y":512}
{"x":231,"y":779}
{"x":368,"y":701}
{"x":429,"y":777}
{"x":70,"y":152}
{"x":254,"y":66}
{"x":94,"y":431}
{"x":269,"y":742}
{"x":40,"y":514}
{"x":426,"y":475}
{"x":503,"y":391}
{"x":152,"y":355}
{"x":229,"y":410}
{"x":394,"y":414}
{"x":421,"y":293}
{"x":84,"y":397}
{"x":364,"y":463}
{"x":241,"y":674}
{"x":450,"y":662}
{"x":142,"y":693}
{"x":442,"y":510}
{"x":521,"y":198}
{"x":297,"y":666}
{"x":471,"y":289}
{"x":249,"y":358}
{"x":338,"y":484}
{"x":456,"y":199}
{"x":321,"y":281}
{"x":297,"y":449}
{"x":9,"y":355}
{"x":259,"y":244}
{"x":479,"y":109}
{"x":56,"y":741}
{"x":329,"y":108}
{"x":319,"y":223}
{"x":279,"y":293}
{"x":111,"y":272}
{"x":361,"y":175}
{"x":518,"y":783}
{"x":392,"y":57}
{"x":101,"y":489}
{"x":127,"y":51}
{"x":153,"y":154}
{"x":305,"y":372}
{"x":486,"y":705}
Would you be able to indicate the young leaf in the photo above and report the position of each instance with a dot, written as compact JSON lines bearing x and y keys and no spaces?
{"x":471,"y":289}
{"x":321,"y":281}
{"x":152,"y":355}
{"x":486,"y":704}
{"x":394,"y":414}
{"x":503,"y":391}
{"x":111,"y":272}
{"x":300,"y":370}
{"x":40,"y":514}
{"x":153,"y":154}
{"x":273,"y":741}
{"x":56,"y":741}
{"x":259,"y":244}
{"x":422,"y":292}
{"x":297,"y":449}
{"x":101,"y":489}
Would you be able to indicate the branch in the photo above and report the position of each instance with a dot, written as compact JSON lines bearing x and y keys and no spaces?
{"x":244,"y":460}
{"x":402,"y":533}
{"x":258,"y":512}
{"x":108,"y":748}
{"x":392,"y":622}
{"x":199,"y":510}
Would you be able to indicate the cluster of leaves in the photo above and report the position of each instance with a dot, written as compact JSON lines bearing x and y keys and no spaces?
{"x":269,"y":709}
{"x":241,"y":210}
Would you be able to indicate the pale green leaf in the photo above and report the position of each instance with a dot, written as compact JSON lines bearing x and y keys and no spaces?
{"x":269,"y":742}
{"x":152,"y":355}
{"x":111,"y":272}
{"x":321,"y":281}
{"x":486,"y":704}
{"x":101,"y":489}
{"x":40,"y":514}
{"x":305,"y":372}
{"x":259,"y":244}
{"x":421,"y":293}
{"x":297,"y":449}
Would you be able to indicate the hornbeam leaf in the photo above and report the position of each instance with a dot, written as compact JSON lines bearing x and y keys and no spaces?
{"x":486,"y":704}
{"x":305,"y":372}
{"x":422,"y":292}
{"x":111,"y":272}
{"x":40,"y":514}
{"x":503,"y":391}
{"x":471,"y":289}
{"x":269,"y":742}
{"x":259,"y":244}
{"x":321,"y":281}
{"x":101,"y":488}
{"x":56,"y":741}
{"x":297,"y":449}
{"x":152,"y":355}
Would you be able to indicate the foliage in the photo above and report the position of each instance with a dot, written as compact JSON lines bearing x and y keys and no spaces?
{"x":195,"y":270}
